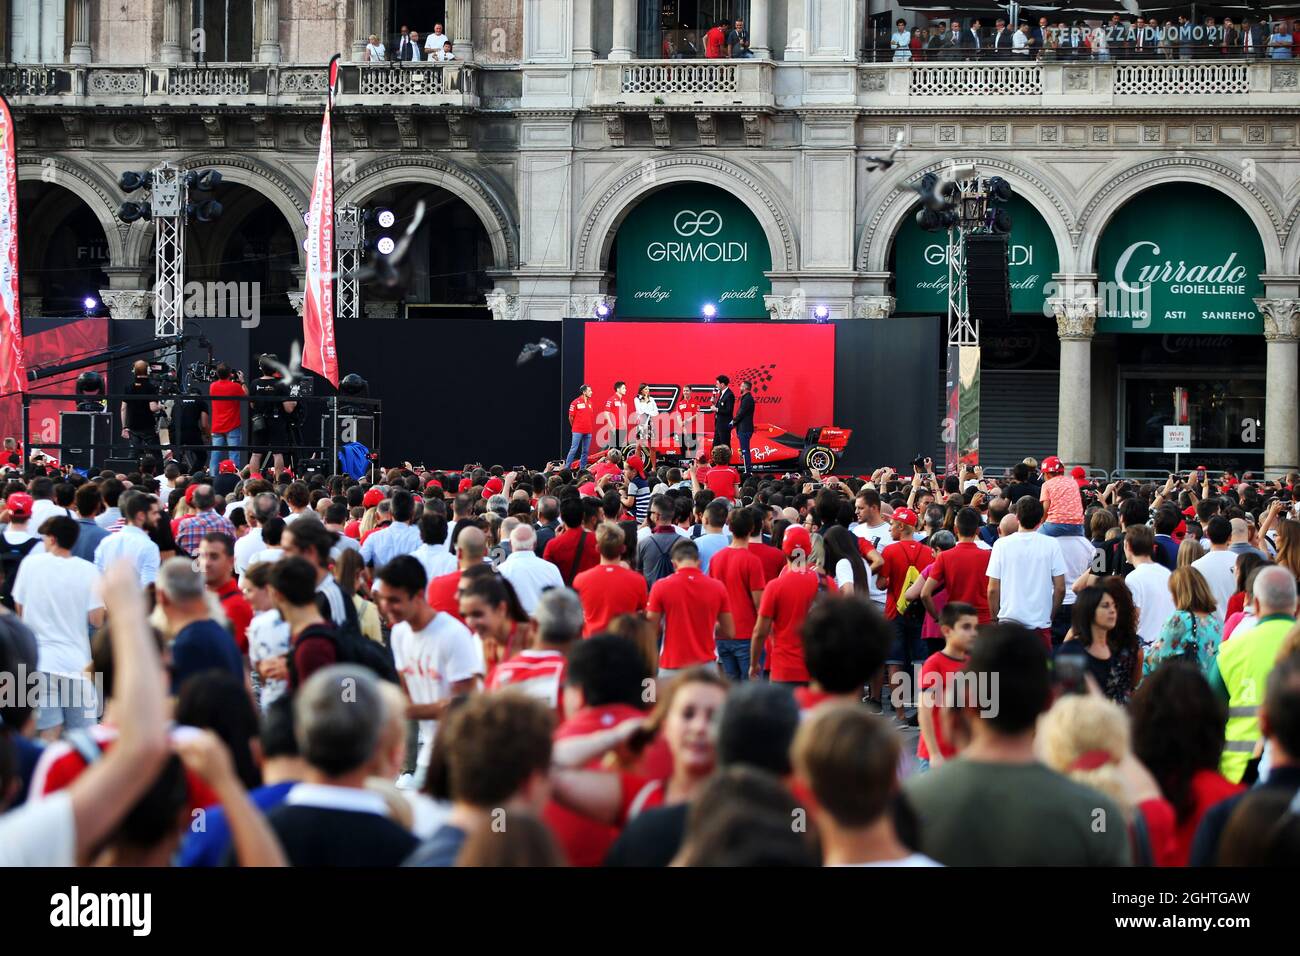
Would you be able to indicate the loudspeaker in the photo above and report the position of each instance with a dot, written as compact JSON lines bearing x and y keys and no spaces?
{"x":988,"y":280}
{"x":358,"y":428}
{"x":78,"y":431}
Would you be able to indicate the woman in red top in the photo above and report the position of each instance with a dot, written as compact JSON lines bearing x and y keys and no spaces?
{"x":1178,"y":734}
{"x":684,"y":719}
{"x":490,"y":608}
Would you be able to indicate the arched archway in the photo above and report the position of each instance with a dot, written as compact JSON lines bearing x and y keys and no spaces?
{"x":614,"y":197}
{"x":63,"y":249}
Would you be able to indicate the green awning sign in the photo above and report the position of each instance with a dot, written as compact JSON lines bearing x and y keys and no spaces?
{"x":921,"y":263}
{"x":1180,"y":258}
{"x":689,"y":245}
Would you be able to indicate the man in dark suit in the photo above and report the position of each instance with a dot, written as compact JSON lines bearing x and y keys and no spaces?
{"x":744,"y":423}
{"x":972,"y":41}
{"x":1040,"y":35}
{"x":1002,"y":40}
{"x":402,"y":45}
{"x":410,"y":49}
{"x":724,"y":408}
{"x":937,"y":40}
{"x":1254,"y":41}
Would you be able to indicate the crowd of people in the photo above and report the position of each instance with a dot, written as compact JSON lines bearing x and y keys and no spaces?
{"x":642,"y":665}
{"x":1120,"y":38}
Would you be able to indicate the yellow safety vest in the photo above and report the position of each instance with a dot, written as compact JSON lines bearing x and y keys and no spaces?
{"x":1244,"y":663}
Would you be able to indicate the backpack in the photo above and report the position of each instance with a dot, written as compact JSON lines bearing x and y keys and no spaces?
{"x":353,"y":647}
{"x":910,"y":610}
{"x":662,"y":566}
{"x":11,"y":555}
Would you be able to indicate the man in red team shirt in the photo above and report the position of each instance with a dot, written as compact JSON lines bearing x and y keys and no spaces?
{"x":226,"y":414}
{"x":903,"y":553}
{"x":782,"y":611}
{"x":582,"y":423}
{"x":715,"y":41}
{"x":613,"y":423}
{"x":573,"y":550}
{"x":217,"y":564}
{"x":772,"y":558}
{"x":962,"y":571}
{"x":691,"y":606}
{"x":471,"y":548}
{"x":741,"y":573}
{"x":539,"y":671}
{"x":610,"y":589}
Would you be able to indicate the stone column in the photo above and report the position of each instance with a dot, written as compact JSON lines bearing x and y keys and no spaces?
{"x":758,"y":22}
{"x":80,"y":51}
{"x":503,"y":305}
{"x":1076,"y":321}
{"x":1282,"y":332}
{"x":360,"y":29}
{"x":583,"y":26}
{"x":171,"y":42}
{"x":460,"y":28}
{"x":268,"y":31}
{"x":127,"y":304}
{"x":624,"y":45}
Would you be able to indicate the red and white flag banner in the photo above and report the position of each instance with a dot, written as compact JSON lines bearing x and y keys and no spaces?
{"x":13,"y":377}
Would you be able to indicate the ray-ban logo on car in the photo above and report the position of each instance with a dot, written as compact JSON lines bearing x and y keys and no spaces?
{"x":688,"y":222}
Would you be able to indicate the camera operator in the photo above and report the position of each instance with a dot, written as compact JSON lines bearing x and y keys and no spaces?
{"x":227,"y":415}
{"x":139,"y":415}
{"x":270,"y":414}
{"x":190,"y":423}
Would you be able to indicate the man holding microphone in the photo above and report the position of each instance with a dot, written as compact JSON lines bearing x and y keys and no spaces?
{"x":582,"y":422}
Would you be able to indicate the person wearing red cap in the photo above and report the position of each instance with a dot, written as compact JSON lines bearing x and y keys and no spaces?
{"x":693,"y":608}
{"x":1062,"y":501}
{"x":1080,"y":476}
{"x":493,"y":486}
{"x":372,"y":498}
{"x":582,"y":424}
{"x":16,"y":543}
{"x":900,"y":557}
{"x":782,"y":610}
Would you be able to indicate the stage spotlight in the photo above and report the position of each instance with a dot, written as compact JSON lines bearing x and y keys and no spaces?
{"x":999,"y":190}
{"x":386,"y":218}
{"x":207,"y":180}
{"x":1000,"y":221}
{"x":205,"y":211}
{"x":821,"y":312}
{"x":603,"y":311}
{"x":709,"y":311}
{"x":131,"y":211}
{"x":385,"y":245}
{"x":88,"y":305}
{"x":129,"y":182}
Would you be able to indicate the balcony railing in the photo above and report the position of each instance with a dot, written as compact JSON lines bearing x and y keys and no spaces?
{"x":239,"y":84}
{"x":1080,"y":83}
{"x":684,"y":83}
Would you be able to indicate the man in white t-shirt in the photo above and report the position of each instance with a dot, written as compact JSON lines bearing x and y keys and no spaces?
{"x":435,"y":655}
{"x":1148,"y":582}
{"x":526,"y":572}
{"x":1027,"y":573}
{"x":872,"y":526}
{"x":57,"y":595}
{"x":1219,"y":565}
{"x":1078,"y":553}
{"x":434,"y":41}
{"x":258,"y":511}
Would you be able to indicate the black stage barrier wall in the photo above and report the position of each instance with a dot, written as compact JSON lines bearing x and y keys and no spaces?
{"x":886,"y":382}
{"x":451,"y":390}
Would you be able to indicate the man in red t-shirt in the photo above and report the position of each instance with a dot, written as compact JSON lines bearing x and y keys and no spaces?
{"x":962,"y":571}
{"x":782,"y":611}
{"x":714,"y":42}
{"x":613,"y":423}
{"x":573,"y":550}
{"x":772,"y":558}
{"x":217,"y":564}
{"x":741,"y":572}
{"x":691,"y":606}
{"x":582,"y":423}
{"x":721,"y":478}
{"x":609,"y":589}
{"x":903,"y":554}
{"x":226,"y":414}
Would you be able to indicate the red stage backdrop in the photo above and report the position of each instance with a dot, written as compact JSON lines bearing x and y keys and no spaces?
{"x":41,"y":348}
{"x":792,"y":366}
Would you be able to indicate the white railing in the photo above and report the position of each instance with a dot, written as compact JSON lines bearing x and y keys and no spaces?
{"x":987,"y":79}
{"x":385,"y":80}
{"x":1146,"y":79}
{"x":679,"y":77}
{"x":208,"y":81}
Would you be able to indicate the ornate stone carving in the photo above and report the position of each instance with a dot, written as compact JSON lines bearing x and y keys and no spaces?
{"x":295,"y":300}
{"x":872,"y":81}
{"x":126,"y":133}
{"x":166,"y":127}
{"x":1284,"y":79}
{"x":753,"y":128}
{"x":786,"y":307}
{"x":127,"y":305}
{"x":1150,"y":134}
{"x":614,"y":129}
{"x":947,"y":134}
{"x":583,"y":305}
{"x":75,"y":128}
{"x":408,"y":130}
{"x":264,"y":128}
{"x":1281,"y":319}
{"x":659,"y":127}
{"x":458,"y":130}
{"x":504,"y":305}
{"x":707,"y":128}
{"x":1047,"y":134}
{"x":1078,"y":80}
{"x":1076,"y":319}
{"x":873,"y":306}
{"x":997,"y":134}
{"x":216,"y":128}
{"x":359,"y":130}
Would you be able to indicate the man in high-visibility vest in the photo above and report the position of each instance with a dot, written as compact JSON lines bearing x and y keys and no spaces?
{"x":1241,"y":670}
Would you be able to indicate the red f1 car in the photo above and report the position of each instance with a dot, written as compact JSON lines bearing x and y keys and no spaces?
{"x":771,"y":446}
